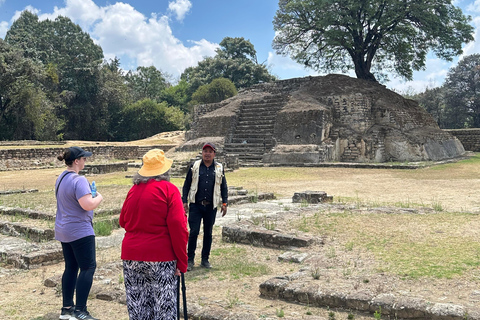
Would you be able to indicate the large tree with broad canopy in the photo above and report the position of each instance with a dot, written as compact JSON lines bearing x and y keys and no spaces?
{"x":369,"y":36}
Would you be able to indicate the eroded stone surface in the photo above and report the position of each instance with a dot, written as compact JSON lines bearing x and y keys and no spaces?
{"x":321,"y":119}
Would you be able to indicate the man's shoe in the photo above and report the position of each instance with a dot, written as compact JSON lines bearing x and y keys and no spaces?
{"x":190,"y":266}
{"x":66,"y":313}
{"x":82,"y":315}
{"x":206,"y":264}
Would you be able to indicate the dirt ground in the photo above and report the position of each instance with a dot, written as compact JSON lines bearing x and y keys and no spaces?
{"x":23,"y":295}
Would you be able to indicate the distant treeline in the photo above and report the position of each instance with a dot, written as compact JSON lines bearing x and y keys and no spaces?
{"x":56,"y":85}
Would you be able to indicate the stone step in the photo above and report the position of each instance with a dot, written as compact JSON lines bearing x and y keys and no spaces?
{"x":252,"y":141}
{"x":291,"y":289}
{"x":27,"y":231}
{"x":254,"y":135}
{"x":27,"y":213}
{"x":244,"y":233}
{"x":39,"y":230}
{"x":249,"y":157}
{"x":259,"y":111}
{"x":253,"y":122}
{"x":251,"y":164}
{"x":24,"y":254}
{"x":255,"y":116}
{"x":267,"y":101}
{"x":255,"y":127}
{"x":242,"y":154}
{"x":246,"y":146}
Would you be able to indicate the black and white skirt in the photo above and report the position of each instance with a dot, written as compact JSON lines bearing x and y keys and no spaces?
{"x":151,"y":289}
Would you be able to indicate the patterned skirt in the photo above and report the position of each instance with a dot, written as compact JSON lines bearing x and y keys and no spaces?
{"x":151,"y":289}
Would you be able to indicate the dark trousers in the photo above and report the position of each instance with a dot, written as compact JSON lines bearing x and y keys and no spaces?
{"x":197,"y":212}
{"x":78,"y":254}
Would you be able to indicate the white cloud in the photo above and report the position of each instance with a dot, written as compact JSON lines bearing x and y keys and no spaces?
{"x":126,"y":33}
{"x":3,"y":29}
{"x":180,"y":8}
{"x":286,"y":68}
{"x":82,"y":12}
{"x":474,"y":6}
{"x":28,"y":8}
{"x":135,"y":39}
{"x":474,"y":46}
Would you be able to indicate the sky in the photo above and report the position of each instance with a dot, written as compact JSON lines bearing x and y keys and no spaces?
{"x":175,"y":34}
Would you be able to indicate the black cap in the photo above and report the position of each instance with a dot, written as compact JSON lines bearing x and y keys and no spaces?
{"x":77,"y":152}
{"x":209,"y":145}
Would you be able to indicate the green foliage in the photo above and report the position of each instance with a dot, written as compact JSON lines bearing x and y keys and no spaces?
{"x":103,"y":228}
{"x":216,"y":91}
{"x":232,"y":261}
{"x":146,"y":83}
{"x":235,"y":60}
{"x":26,"y":112}
{"x":368,"y":36}
{"x":146,"y":118}
{"x":177,"y":96}
{"x":456,"y":104}
{"x":463,"y":93}
{"x":280,"y":313}
{"x":433,"y":101}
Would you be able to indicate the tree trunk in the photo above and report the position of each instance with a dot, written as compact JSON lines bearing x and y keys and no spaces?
{"x":362,"y":70}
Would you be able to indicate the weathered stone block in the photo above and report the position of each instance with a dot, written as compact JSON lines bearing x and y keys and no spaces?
{"x":311,"y":197}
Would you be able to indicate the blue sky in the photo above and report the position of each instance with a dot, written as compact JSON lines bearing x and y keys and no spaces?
{"x":175,"y":34}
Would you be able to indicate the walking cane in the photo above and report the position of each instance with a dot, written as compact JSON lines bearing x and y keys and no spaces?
{"x":184,"y":294}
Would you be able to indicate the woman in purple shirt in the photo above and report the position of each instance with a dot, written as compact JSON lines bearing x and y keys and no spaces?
{"x":74,"y":229}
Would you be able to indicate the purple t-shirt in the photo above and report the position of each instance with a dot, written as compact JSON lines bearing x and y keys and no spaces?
{"x":72,"y":221}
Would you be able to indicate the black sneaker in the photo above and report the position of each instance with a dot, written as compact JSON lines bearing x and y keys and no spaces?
{"x":82,"y":315}
{"x":190,"y":266}
{"x":206,"y":264}
{"x":66,"y":313}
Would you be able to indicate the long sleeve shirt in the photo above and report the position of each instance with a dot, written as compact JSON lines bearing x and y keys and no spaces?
{"x":155,"y":224}
{"x":206,"y":183}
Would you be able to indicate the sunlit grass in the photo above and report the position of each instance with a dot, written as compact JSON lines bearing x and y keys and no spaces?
{"x":233,"y":261}
{"x":440,"y":245}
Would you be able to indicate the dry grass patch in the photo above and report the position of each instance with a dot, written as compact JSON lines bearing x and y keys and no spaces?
{"x":440,"y":245}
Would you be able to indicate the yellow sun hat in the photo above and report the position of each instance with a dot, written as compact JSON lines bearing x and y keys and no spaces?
{"x":154,"y":163}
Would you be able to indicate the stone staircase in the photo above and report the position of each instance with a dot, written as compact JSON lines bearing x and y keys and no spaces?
{"x":253,"y":135}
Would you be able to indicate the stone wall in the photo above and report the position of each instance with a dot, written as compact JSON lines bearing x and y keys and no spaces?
{"x":350,"y":120}
{"x":14,"y":159}
{"x":470,"y":138}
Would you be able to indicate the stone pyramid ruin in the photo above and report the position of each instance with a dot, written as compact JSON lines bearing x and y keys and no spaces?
{"x":333,"y":118}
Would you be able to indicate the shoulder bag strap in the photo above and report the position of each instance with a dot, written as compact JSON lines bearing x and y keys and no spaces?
{"x":58,"y":186}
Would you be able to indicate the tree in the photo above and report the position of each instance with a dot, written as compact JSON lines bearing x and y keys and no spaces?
{"x":112,"y":98}
{"x":147,"y":117}
{"x":236,"y":60}
{"x":463,"y":93}
{"x":73,"y":60}
{"x":26,"y":112}
{"x":433,"y":101}
{"x":177,"y":96}
{"x":146,"y":83}
{"x":369,"y":35}
{"x":216,"y":91}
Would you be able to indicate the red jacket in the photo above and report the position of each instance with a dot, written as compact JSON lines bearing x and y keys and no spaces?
{"x":155,"y":224}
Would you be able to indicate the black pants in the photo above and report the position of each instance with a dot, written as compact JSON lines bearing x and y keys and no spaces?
{"x":78,"y":254}
{"x":197,"y":212}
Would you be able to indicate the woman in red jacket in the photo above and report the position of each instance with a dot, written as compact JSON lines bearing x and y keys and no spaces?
{"x":155,"y":242}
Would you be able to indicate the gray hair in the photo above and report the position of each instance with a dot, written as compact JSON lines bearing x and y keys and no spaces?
{"x":137,"y":178}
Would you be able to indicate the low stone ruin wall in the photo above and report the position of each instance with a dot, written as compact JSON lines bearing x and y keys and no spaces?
{"x":470,"y":138}
{"x":104,"y":168}
{"x":31,"y":158}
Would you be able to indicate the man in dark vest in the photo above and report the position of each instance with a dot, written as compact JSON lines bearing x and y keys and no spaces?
{"x":204,"y":191}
